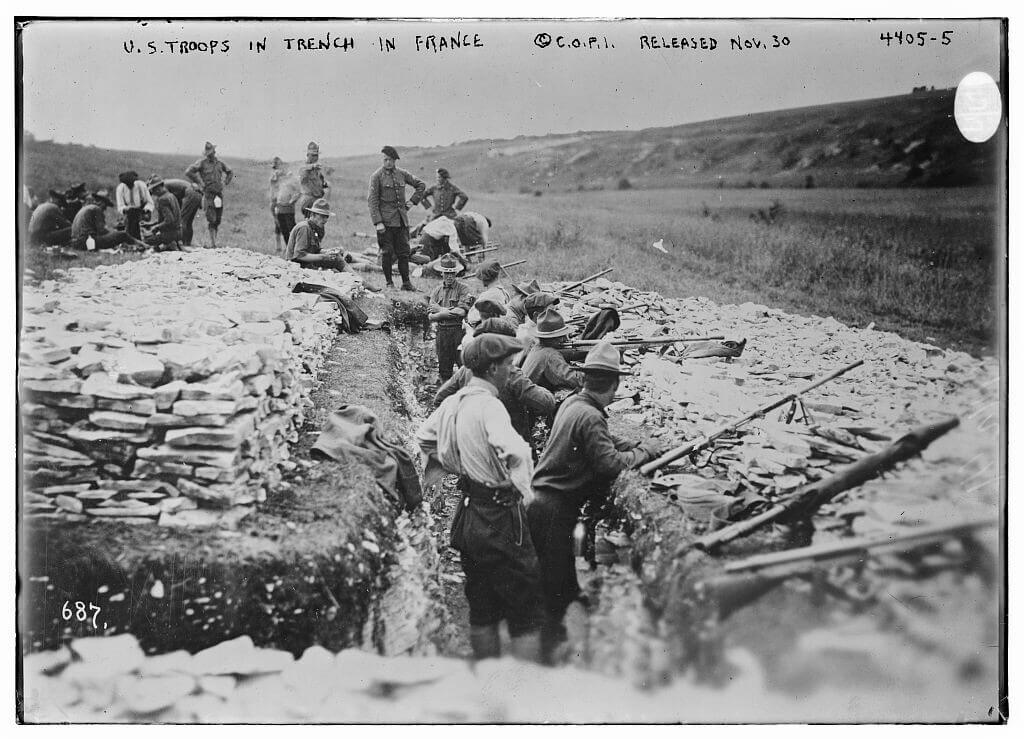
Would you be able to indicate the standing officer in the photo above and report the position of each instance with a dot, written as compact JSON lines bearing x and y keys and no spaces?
{"x":389,"y":212}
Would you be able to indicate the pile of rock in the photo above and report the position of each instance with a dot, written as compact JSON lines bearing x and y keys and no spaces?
{"x":153,"y":388}
{"x":111,"y":680}
{"x":902,"y":384}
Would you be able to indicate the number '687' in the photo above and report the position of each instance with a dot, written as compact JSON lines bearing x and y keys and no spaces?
{"x":80,"y":612}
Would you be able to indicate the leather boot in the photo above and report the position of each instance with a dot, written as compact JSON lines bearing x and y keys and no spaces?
{"x":552,"y":636}
{"x":485,"y":642}
{"x":403,"y":270}
{"x":526,"y":647}
{"x":385,"y":264}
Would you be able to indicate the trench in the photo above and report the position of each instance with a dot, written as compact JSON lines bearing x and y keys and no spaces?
{"x":647,"y":618}
{"x":328,"y":560}
{"x":614,"y":633}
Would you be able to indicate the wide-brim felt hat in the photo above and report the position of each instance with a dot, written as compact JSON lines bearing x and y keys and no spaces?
{"x":390,"y":151}
{"x":551,"y":325}
{"x":154,"y":182}
{"x":527,"y":288}
{"x":604,"y":357}
{"x":208,"y":147}
{"x":320,"y":206}
{"x":448,"y":265}
{"x":102,"y":196}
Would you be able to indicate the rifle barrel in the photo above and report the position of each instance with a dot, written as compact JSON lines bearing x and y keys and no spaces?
{"x":585,"y":280}
{"x":811,"y":496}
{"x":863,"y":545}
{"x":513,"y":264}
{"x":643,"y":342}
{"x":693,"y":446}
{"x":624,"y":309}
{"x":474,"y":252}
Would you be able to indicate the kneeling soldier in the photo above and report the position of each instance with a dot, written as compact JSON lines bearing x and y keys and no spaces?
{"x":304,"y":240}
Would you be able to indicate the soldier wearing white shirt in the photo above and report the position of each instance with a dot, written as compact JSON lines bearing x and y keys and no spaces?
{"x":132,"y":199}
{"x":471,"y":435}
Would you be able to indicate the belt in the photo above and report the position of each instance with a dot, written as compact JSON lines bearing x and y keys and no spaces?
{"x":477,"y":491}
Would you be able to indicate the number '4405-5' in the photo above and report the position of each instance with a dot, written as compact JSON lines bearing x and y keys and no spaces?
{"x":921,"y":38}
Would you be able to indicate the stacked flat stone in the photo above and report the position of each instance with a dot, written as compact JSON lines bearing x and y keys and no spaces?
{"x":153,"y":388}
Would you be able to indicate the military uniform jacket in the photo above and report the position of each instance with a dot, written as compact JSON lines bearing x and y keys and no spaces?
{"x":582,"y":458}
{"x":386,"y":197}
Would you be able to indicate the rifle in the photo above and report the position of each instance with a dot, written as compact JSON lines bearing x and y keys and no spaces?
{"x":707,"y":440}
{"x":806,"y":499}
{"x":584,"y":343}
{"x":624,"y":309}
{"x":477,"y":252}
{"x":750,"y":578}
{"x":513,"y":264}
{"x":585,"y":280}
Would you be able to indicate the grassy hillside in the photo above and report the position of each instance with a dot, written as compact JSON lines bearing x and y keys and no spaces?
{"x":905,"y":140}
{"x":923,"y":262}
{"x":49,"y":165}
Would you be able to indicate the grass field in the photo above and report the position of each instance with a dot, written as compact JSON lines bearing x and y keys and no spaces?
{"x":919,"y":262}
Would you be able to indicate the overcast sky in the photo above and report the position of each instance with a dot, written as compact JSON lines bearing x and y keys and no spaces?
{"x":82,"y":86}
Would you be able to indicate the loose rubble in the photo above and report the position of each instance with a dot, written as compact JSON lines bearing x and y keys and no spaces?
{"x":678,"y":396}
{"x":109,"y":680}
{"x":169,"y":388}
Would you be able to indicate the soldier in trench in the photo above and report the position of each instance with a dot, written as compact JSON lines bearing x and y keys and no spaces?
{"x":580,"y":463}
{"x":522,"y":399}
{"x":449,"y":303}
{"x":471,"y":435}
